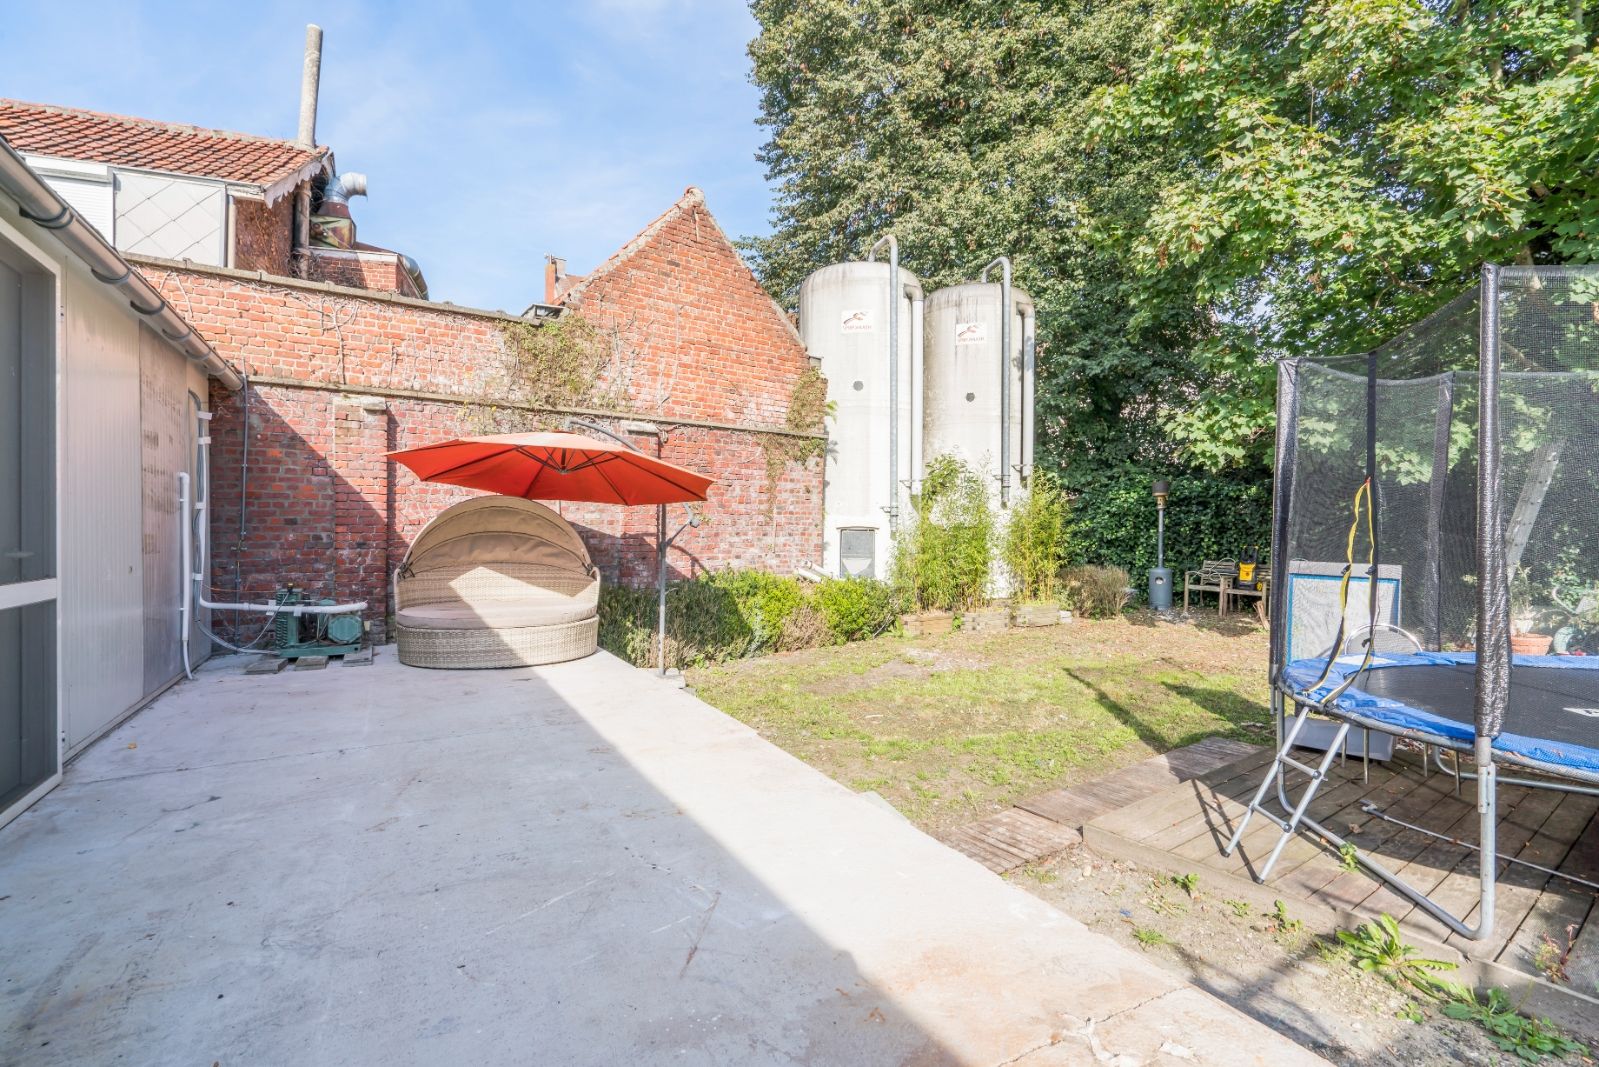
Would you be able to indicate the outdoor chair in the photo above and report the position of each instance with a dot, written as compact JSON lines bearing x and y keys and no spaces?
{"x":496,"y":582}
{"x":1211,"y":577}
{"x":1260,"y":594}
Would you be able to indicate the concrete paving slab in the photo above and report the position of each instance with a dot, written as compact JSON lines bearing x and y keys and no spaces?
{"x":563,"y":865}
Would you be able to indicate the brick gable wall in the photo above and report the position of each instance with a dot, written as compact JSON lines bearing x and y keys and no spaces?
{"x":705,"y":339}
{"x":340,"y":376}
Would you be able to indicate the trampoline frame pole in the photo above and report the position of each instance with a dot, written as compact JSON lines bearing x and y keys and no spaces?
{"x":1482,"y":931}
{"x":1529,"y":783}
{"x":1488,"y":853}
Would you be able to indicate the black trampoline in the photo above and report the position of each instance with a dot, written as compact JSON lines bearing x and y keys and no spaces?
{"x":1436,"y":536}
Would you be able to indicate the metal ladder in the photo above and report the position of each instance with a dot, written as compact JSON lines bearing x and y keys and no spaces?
{"x":1317,"y":775}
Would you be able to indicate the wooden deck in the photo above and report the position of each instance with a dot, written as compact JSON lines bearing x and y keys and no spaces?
{"x":1182,"y":829}
{"x":1044,"y":824}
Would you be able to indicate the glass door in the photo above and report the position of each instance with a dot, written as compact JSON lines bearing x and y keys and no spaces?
{"x":29,"y":730}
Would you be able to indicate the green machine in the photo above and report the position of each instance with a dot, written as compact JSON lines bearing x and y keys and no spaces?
{"x":314,"y":634}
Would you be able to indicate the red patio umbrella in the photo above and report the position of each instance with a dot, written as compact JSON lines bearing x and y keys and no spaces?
{"x":566,"y":466}
{"x":555,"y":466}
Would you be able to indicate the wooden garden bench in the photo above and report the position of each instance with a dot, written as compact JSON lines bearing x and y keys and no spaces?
{"x":1213,"y":576}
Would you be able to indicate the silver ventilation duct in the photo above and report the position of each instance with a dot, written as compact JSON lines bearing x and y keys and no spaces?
{"x":341,"y":188}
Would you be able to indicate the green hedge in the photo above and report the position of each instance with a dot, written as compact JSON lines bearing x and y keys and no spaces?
{"x":1113,"y":522}
{"x":734,"y":614}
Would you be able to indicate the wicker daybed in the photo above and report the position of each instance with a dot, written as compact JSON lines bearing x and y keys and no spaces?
{"x":496,"y":581}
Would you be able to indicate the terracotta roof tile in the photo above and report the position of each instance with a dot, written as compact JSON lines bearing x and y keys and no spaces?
{"x":70,"y":133}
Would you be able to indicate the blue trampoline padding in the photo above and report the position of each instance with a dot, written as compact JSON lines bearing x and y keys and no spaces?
{"x":1459,"y":723}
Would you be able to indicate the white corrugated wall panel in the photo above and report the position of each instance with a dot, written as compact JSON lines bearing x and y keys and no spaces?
{"x":164,"y":417}
{"x":102,"y":536}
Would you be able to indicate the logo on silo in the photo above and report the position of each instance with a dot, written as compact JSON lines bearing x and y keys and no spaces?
{"x":857,"y":321}
{"x":970,"y":333}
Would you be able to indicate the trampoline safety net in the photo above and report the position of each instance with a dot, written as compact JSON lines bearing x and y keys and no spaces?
{"x":1458,"y":466}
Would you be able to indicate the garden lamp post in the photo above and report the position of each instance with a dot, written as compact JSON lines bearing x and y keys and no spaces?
{"x":1159,"y":576}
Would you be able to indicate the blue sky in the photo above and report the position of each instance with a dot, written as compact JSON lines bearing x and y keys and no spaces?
{"x":491,"y":134}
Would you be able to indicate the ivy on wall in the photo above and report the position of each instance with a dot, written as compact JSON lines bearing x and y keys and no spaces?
{"x":807,"y":407}
{"x":556,"y":364}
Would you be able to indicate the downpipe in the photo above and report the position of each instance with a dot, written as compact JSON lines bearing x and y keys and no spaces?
{"x":1003,"y":262}
{"x":1029,"y":426}
{"x":894,"y":297}
{"x":185,"y":588}
{"x":918,"y":373}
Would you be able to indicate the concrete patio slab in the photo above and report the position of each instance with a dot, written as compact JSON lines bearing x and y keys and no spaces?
{"x":565,"y":865}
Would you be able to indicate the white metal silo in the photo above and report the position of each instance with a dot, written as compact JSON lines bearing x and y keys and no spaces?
{"x":979,"y":406}
{"x":849,"y":324}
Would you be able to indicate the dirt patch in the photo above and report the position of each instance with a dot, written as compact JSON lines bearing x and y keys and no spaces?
{"x":1248,"y":957}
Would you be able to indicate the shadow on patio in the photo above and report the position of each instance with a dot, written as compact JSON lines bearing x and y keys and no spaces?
{"x":574,"y":864}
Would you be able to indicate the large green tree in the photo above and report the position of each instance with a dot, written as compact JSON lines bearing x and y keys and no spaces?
{"x":963,"y":126}
{"x":1342,"y":168}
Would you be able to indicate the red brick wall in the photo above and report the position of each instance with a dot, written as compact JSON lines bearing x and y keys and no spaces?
{"x":702,"y":337}
{"x":327,"y":510}
{"x":263,"y":237}
{"x":378,"y":271}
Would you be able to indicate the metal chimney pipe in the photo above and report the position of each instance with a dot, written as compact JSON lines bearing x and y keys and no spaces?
{"x":310,"y":80}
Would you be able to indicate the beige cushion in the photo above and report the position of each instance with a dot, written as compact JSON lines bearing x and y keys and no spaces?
{"x":546,"y":609}
{"x":497,"y":529}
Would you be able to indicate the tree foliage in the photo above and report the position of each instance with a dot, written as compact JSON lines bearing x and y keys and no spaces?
{"x":1344,"y":167}
{"x":962,"y":127}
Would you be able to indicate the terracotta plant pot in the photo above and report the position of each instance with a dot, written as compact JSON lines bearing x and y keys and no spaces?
{"x":924,"y":623}
{"x":1530,"y":644}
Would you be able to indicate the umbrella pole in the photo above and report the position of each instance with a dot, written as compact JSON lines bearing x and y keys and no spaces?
{"x":660,"y":592}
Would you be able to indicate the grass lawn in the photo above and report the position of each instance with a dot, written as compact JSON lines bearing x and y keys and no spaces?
{"x":953,"y":727}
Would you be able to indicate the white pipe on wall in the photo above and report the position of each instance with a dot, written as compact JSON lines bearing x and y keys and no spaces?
{"x":1029,"y":425}
{"x":918,"y":402}
{"x":185,"y":591}
{"x":192,"y":570}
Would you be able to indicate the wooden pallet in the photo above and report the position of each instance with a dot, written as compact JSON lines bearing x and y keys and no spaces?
{"x":1042,"y":825}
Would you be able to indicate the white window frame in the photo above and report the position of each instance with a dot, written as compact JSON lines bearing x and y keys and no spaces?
{"x":46,"y":590}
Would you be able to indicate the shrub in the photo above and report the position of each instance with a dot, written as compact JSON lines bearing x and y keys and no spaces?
{"x":627,"y":623}
{"x":855,"y":608}
{"x":1207,"y":517}
{"x":1097,"y":592}
{"x":1035,"y":541}
{"x":762,"y":601}
{"x":805,"y":627}
{"x":734,"y":614}
{"x":704,"y":618}
{"x":942,"y":560}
